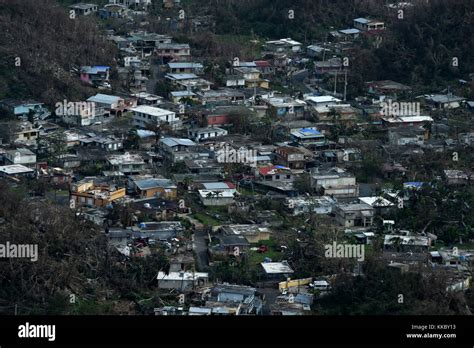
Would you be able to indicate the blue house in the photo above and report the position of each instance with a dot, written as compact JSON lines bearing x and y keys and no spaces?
{"x":21,"y":109}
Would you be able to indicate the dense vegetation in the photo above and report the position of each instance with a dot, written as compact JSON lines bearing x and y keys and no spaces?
{"x":48,"y":44}
{"x":415,"y":50}
{"x":418,"y":49}
{"x":76,"y":273}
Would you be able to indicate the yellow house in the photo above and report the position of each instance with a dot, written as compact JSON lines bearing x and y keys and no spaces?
{"x":154,"y":187}
{"x":89,"y":194}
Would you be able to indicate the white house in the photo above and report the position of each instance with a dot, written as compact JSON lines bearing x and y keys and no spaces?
{"x":144,"y":114}
{"x":20,"y":156}
{"x":198,"y":134}
{"x":217,"y":197}
{"x":336,"y":182}
{"x":84,"y":9}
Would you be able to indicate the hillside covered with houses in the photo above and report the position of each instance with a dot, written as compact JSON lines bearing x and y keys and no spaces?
{"x":230,"y":157}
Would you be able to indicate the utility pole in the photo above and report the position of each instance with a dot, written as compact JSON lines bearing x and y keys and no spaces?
{"x":335,"y":83}
{"x":345,"y":85}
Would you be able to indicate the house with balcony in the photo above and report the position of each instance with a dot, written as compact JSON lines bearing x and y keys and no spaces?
{"x":128,"y":164}
{"x":25,"y":133}
{"x":369,"y":25}
{"x":251,"y":77}
{"x":335,"y":182}
{"x":144,"y":115}
{"x":89,"y":193}
{"x":354,"y":214}
{"x":330,"y":66}
{"x":173,"y":51}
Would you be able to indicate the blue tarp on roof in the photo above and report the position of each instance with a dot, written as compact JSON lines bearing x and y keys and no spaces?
{"x":309,"y":130}
{"x":415,"y":184}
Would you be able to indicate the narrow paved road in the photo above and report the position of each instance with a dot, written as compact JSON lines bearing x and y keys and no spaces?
{"x":200,"y":248}
{"x":199,"y":243}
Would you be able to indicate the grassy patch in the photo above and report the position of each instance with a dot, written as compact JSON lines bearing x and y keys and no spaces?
{"x":255,"y":258}
{"x":206,"y":219}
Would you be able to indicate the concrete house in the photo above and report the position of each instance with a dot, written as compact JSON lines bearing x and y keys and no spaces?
{"x":286,"y":107}
{"x":444,"y":101}
{"x":354,"y":214}
{"x":291,"y":157}
{"x":276,"y":173}
{"x":406,"y":242}
{"x":149,"y":115}
{"x":203,"y":166}
{"x":159,"y":231}
{"x":169,"y":51}
{"x":253,"y":233}
{"x":110,"y":103}
{"x":185,"y":68}
{"x":277,"y":270}
{"x":83,"y":9}
{"x":25,"y":133}
{"x":369,"y":25}
{"x":217,"y":197}
{"x":283,"y":46}
{"x":308,"y":137}
{"x":177,"y":149}
{"x":154,"y":187}
{"x":21,"y":109}
{"x":95,"y":75}
{"x":406,"y":136}
{"x":335,"y":182}
{"x":128,"y":164}
{"x":200,"y":134}
{"x":182,"y":281}
{"x":89,"y":193}
{"x":21,"y":156}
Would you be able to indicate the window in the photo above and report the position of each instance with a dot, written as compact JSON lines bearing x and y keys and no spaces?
{"x":288,"y":176}
{"x":277,"y":177}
